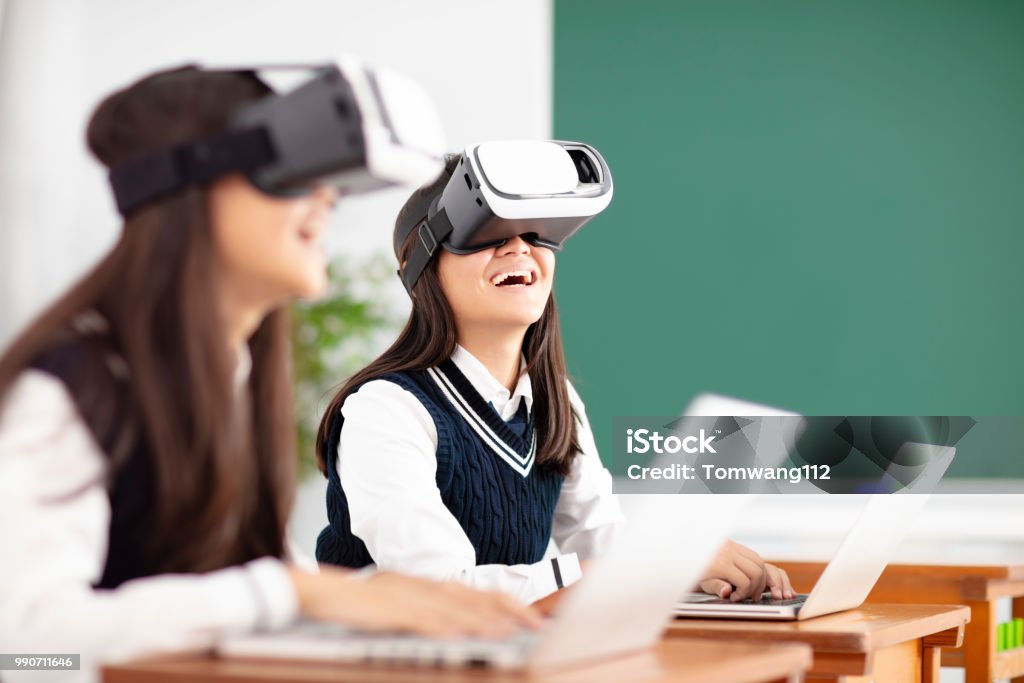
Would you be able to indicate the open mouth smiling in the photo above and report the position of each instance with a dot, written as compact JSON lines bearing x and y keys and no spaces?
{"x":514,"y":278}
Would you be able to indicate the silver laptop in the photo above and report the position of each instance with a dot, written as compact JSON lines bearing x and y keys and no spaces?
{"x":622,"y":604}
{"x":847,"y":579}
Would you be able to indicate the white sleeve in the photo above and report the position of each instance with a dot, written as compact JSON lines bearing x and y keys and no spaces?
{"x":387,"y":462}
{"x":54,"y":520}
{"x":587,"y":516}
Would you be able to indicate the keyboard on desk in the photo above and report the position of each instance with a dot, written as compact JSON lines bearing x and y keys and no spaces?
{"x":766,"y":599}
{"x":702,"y":605}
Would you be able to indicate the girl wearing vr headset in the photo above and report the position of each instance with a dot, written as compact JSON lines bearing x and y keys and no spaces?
{"x":463,"y":449}
{"x":147,"y":467}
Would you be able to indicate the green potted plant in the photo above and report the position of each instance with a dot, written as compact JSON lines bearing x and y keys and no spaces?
{"x":334,"y":336}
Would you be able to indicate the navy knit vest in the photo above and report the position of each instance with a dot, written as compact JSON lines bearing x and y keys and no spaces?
{"x":485,"y":473}
{"x":92,"y":370}
{"x":87,"y":361}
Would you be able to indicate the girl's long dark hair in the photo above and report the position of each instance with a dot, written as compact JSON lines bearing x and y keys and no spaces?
{"x":429,"y":338}
{"x":222,"y":459}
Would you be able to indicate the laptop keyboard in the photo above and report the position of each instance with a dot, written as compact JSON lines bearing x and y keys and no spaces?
{"x":766,"y":599}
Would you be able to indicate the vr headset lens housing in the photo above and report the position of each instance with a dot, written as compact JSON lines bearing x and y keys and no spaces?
{"x":348,"y":126}
{"x":542,"y":190}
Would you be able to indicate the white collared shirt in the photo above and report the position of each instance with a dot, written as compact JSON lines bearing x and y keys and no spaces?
{"x":389,"y":443}
{"x":54,"y":525}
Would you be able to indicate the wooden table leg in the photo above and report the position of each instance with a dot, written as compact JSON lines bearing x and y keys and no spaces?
{"x":980,"y":642}
{"x":931,"y":663}
{"x":896,"y":664}
{"x":1018,"y":612}
{"x":899,"y":663}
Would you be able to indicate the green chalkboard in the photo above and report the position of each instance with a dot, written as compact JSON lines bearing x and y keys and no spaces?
{"x":818,"y":205}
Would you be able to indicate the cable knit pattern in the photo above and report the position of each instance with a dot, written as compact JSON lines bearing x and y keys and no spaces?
{"x":506,"y":516}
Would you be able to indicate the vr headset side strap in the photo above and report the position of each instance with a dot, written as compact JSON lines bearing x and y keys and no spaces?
{"x":160,"y":173}
{"x":429,"y":235}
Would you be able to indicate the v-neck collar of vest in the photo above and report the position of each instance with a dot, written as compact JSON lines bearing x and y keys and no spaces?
{"x":517,"y":450}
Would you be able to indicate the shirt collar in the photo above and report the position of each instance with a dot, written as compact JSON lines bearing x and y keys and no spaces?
{"x":493,"y":391}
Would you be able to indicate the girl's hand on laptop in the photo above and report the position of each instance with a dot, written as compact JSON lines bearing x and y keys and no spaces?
{"x":386,"y":601}
{"x":778,"y":583}
{"x":739,"y":573}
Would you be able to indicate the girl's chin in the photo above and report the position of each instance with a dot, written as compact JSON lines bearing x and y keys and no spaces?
{"x":316,"y":291}
{"x":524,"y":320}
{"x":311,"y":287}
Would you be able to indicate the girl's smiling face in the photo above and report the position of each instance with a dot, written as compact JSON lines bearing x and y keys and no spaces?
{"x":507,"y":285}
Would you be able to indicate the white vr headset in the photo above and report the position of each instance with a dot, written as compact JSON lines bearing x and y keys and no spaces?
{"x":346,"y":125}
{"x":543,"y":191}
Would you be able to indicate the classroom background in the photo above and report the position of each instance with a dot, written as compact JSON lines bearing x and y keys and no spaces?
{"x":818,"y":205}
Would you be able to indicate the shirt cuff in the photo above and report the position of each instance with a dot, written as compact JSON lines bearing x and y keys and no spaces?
{"x":275,"y":593}
{"x":565,"y":571}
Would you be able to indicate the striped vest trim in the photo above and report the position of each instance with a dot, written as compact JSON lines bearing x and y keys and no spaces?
{"x":517,"y":451}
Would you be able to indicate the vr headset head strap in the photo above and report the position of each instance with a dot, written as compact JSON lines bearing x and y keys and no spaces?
{"x":431,"y":231}
{"x":433,"y":227}
{"x":169,"y":170}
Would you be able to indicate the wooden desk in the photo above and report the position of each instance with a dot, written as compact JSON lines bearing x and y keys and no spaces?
{"x":883,"y":643}
{"x":674,"y":660}
{"x":978,"y":587}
